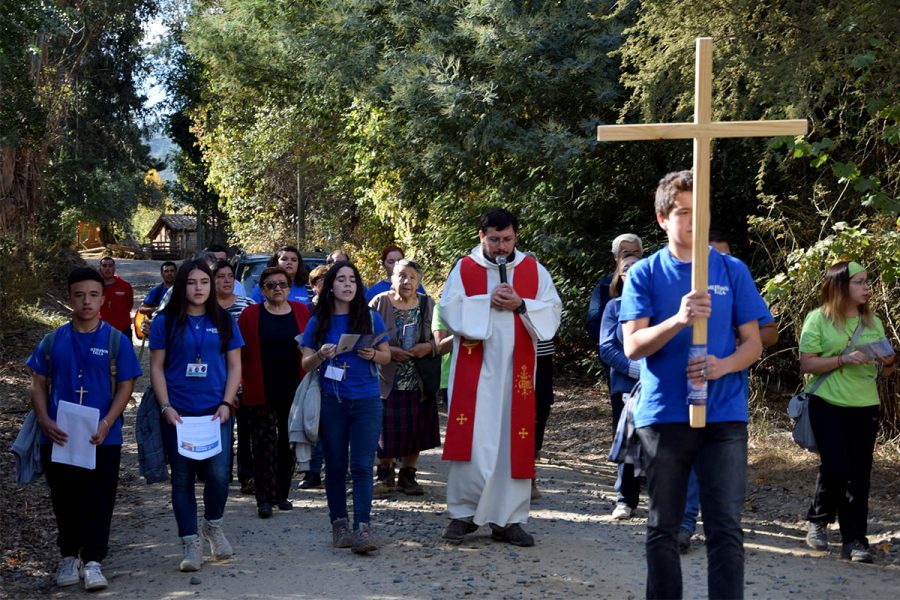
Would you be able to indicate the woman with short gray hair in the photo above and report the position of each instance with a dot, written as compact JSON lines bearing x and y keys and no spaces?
{"x":410,"y":422}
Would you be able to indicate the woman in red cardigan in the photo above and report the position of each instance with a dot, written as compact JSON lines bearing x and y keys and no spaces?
{"x":271,"y":372}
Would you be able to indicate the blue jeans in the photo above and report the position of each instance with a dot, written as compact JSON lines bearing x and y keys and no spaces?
{"x":718,"y":454}
{"x":317,"y":458}
{"x":215,"y":471}
{"x":692,"y":505}
{"x":355,"y":425}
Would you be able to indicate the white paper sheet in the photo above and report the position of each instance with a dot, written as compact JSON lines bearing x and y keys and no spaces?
{"x":199,"y":437}
{"x":347,"y":342}
{"x":354,"y":341}
{"x":80,"y":424}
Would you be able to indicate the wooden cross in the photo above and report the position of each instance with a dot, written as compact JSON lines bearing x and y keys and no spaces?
{"x":702,"y":131}
{"x":81,"y":392}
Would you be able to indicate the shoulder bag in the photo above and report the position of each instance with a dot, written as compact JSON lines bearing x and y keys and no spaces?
{"x":428,"y":367}
{"x":798,"y":407}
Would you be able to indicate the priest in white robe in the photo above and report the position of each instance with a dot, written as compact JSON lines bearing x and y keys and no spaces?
{"x":496,"y":326}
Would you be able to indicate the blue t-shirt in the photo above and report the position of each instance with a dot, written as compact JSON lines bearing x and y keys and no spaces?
{"x":91,"y":351}
{"x":298,"y":293}
{"x":194,"y":396}
{"x":654,"y":289}
{"x":381,"y":287}
{"x":155,"y":295}
{"x":360,"y":376}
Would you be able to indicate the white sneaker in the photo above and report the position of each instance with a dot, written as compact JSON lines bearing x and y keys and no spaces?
{"x":192,"y":552}
{"x":93,"y":578}
{"x":218,"y":543}
{"x":69,"y":571}
{"x":622,"y":512}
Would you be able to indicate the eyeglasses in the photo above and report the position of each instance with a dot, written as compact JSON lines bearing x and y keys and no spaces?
{"x":274,"y":285}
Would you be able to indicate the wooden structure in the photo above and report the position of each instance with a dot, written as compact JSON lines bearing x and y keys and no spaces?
{"x":88,"y":236}
{"x":173,"y":237}
{"x":702,"y":131}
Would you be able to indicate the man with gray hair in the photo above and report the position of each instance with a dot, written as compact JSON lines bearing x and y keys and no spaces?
{"x":626,"y":244}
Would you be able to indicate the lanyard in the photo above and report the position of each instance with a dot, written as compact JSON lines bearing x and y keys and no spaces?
{"x":81,"y":357}
{"x":198,"y":343}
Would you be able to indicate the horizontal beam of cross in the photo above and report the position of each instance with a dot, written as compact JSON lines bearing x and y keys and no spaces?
{"x":686,"y":131}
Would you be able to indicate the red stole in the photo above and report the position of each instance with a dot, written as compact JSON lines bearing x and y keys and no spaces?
{"x":461,"y":421}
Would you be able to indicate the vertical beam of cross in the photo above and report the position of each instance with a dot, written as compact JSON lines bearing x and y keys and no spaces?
{"x":703,"y":130}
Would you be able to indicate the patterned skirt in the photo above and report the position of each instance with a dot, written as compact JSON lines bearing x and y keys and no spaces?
{"x":410,"y":424}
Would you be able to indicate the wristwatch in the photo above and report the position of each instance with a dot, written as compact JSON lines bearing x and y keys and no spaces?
{"x":521,"y":308}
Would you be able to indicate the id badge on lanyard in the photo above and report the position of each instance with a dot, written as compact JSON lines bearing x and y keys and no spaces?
{"x":198,"y":368}
{"x":335,"y":373}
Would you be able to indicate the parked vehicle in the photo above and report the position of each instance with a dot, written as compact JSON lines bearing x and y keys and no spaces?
{"x":247,"y":267}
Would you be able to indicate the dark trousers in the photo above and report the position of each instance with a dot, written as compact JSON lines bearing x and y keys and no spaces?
{"x":846,"y":439}
{"x":718,"y":454}
{"x":543,"y":399}
{"x":627,"y":485}
{"x":273,"y":459}
{"x":244,"y":449}
{"x":83,"y":502}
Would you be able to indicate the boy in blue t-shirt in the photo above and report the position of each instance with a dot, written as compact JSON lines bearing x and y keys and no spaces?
{"x":79,"y":371}
{"x":657,"y":311}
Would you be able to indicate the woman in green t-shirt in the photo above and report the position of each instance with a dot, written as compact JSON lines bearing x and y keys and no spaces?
{"x":843,"y":411}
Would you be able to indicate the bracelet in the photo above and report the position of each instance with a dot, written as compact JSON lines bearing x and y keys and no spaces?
{"x":840,"y":361}
{"x":165,"y":407}
{"x":319,"y":355}
{"x":228,"y":404}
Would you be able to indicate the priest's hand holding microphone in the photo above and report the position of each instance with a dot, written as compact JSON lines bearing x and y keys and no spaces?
{"x":504,"y":297}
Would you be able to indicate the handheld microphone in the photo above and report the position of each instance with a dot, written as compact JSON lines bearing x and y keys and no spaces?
{"x":501,"y":262}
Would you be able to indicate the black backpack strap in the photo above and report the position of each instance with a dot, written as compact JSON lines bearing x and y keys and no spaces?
{"x":115,"y":339}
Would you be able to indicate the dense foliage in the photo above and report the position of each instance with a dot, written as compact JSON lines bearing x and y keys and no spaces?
{"x":71,"y":135}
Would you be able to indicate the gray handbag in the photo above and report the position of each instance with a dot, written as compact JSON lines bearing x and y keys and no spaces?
{"x":798,"y":407}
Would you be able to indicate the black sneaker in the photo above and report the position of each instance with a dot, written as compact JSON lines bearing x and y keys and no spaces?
{"x":248,"y":487}
{"x":264,"y":510}
{"x":856,"y":551}
{"x":285,"y":505}
{"x":512,"y":534}
{"x":310,"y":481}
{"x":457,"y":529}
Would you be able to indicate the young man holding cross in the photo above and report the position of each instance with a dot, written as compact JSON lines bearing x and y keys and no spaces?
{"x":73,"y":364}
{"x":657,"y":312}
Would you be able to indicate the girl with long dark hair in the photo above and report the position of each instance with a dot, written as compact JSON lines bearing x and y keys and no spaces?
{"x":843,"y":411}
{"x":351,"y":404}
{"x":289,"y":259}
{"x":195,"y":369}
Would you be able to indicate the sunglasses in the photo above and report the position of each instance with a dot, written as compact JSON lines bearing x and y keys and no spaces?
{"x":274,"y":285}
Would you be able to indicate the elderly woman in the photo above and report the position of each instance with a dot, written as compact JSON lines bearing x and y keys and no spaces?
{"x":289,"y":259}
{"x":234,"y":304}
{"x":410,"y":417}
{"x":272,"y":371}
